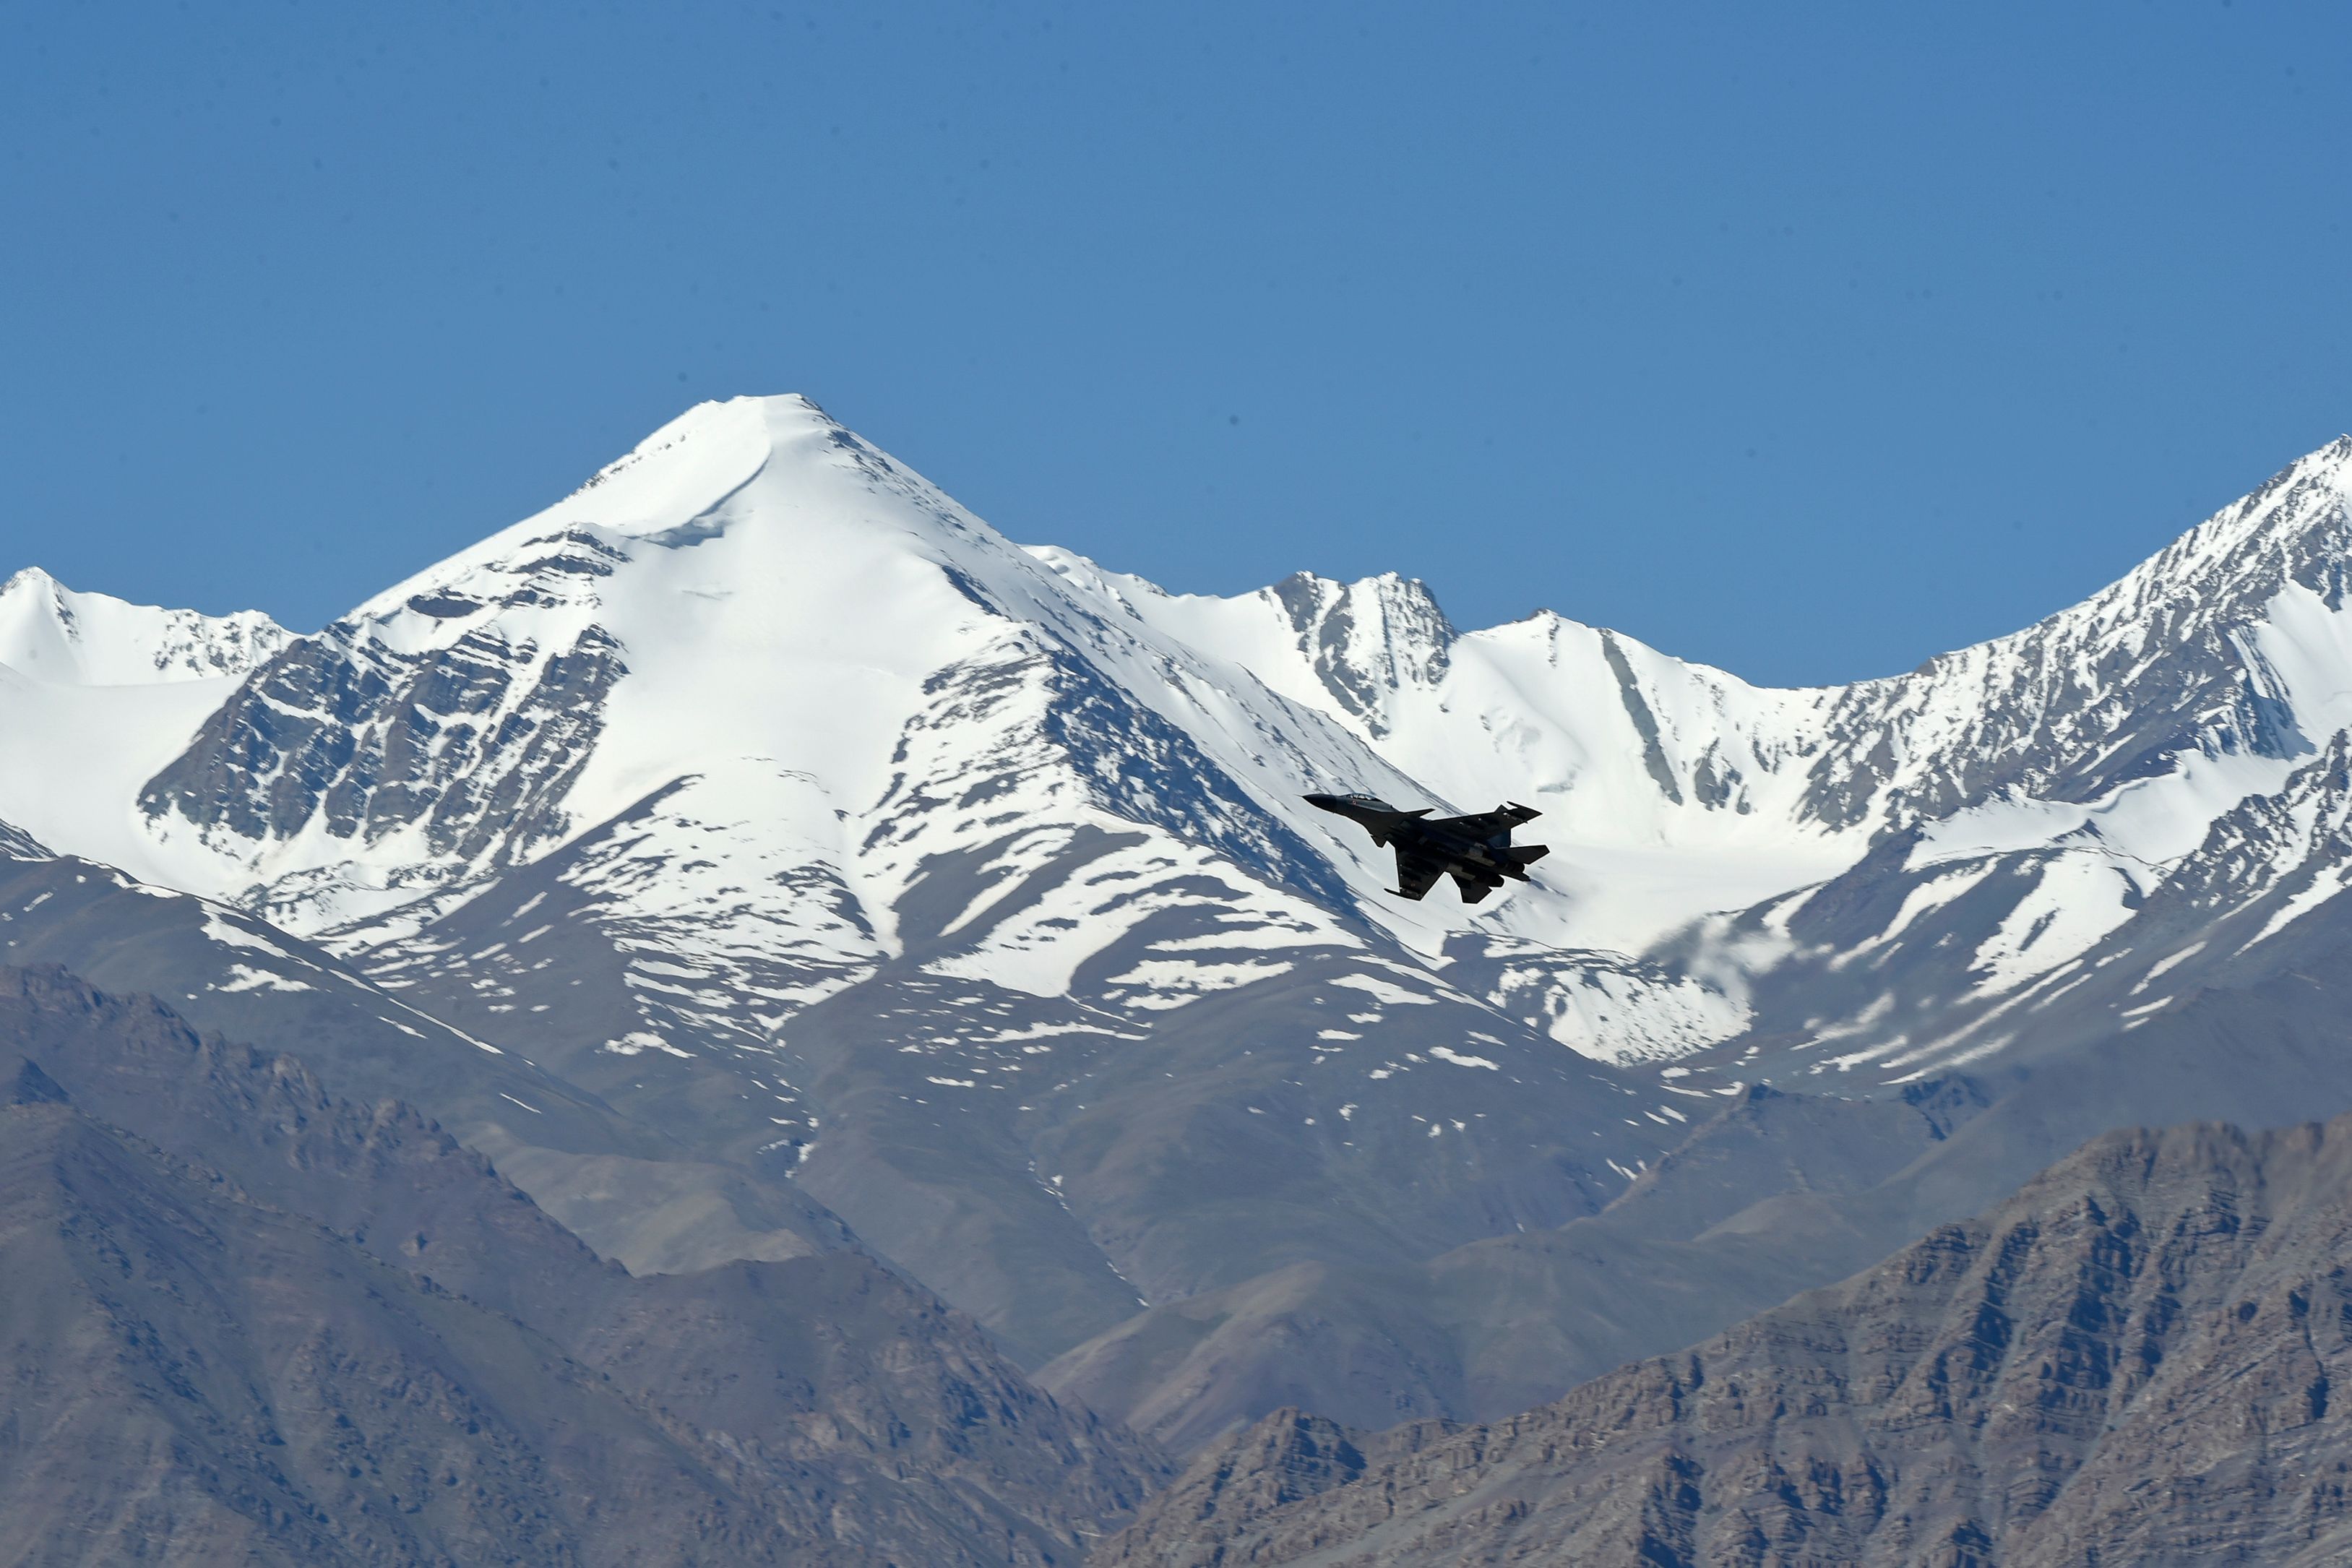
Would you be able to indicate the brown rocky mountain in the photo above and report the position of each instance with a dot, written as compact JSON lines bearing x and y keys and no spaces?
{"x":250,"y":1321}
{"x":2139,"y":1359}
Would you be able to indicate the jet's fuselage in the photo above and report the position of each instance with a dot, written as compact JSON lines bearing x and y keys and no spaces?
{"x":1474,"y":849}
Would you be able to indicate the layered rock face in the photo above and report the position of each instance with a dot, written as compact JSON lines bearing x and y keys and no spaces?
{"x":2139,"y":1359}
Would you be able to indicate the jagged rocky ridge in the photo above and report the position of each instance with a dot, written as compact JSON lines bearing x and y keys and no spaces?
{"x":53,"y":634}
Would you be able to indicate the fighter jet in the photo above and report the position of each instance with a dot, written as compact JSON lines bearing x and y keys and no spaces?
{"x":1475,"y":851}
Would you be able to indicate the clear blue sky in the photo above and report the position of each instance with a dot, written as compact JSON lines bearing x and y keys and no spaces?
{"x":1806,"y":339}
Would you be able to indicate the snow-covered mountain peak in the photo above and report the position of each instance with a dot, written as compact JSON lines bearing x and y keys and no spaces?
{"x":753,"y":581}
{"x":1368,"y":639}
{"x":695,"y":460}
{"x":1342,"y":649}
{"x":15,"y":844}
{"x":2293,"y":528}
{"x":50,"y":633}
{"x":669,"y":490}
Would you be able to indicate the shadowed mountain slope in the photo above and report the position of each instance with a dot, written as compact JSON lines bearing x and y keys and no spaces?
{"x":2136,"y":1358}
{"x":819,"y":1408}
{"x":194,"y":1379}
{"x":1488,"y":1330}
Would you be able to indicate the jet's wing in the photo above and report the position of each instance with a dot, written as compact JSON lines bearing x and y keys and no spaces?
{"x":1416,"y":872}
{"x":1488,"y":824}
{"x":1472,"y":889}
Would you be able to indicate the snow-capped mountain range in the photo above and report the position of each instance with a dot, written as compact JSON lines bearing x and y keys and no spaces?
{"x":761,"y":790}
{"x":756,"y":627}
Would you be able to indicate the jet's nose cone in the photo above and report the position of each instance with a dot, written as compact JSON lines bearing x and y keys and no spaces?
{"x":1326,"y":802}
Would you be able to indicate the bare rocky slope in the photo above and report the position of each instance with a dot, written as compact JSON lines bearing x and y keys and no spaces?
{"x":250,"y":1321}
{"x":2139,"y":1358}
